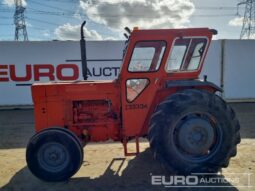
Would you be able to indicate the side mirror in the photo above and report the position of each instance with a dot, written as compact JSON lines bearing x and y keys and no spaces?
{"x":128,"y":30}
{"x":127,"y":37}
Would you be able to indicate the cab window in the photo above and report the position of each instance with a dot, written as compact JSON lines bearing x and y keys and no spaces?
{"x":135,"y":88}
{"x":147,"y":56}
{"x":178,"y":53}
{"x":186,"y":54}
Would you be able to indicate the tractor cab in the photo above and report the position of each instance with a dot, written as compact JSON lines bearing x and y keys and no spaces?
{"x":152,"y":60}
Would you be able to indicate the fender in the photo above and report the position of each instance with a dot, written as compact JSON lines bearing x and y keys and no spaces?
{"x":192,"y":84}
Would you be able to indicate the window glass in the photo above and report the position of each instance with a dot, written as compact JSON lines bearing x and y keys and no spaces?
{"x":178,"y":53}
{"x":175,"y":61}
{"x":135,"y":87}
{"x":186,"y":54}
{"x":147,"y":56}
{"x":197,"y":50}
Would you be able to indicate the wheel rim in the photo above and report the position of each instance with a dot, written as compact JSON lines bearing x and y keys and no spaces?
{"x":53,"y":157}
{"x":197,"y":136}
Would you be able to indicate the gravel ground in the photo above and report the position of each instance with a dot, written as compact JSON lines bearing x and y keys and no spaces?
{"x":106,"y":168}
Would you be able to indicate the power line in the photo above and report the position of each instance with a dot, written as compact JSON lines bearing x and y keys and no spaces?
{"x":224,"y":8}
{"x":70,"y":13}
{"x":38,"y":28}
{"x":214,"y":15}
{"x":61,"y":1}
{"x":3,"y":17}
{"x":196,"y":7}
{"x":96,"y":3}
{"x":6,"y":24}
{"x":152,"y":16}
{"x":5,"y":10}
{"x":42,"y":21}
{"x":49,"y":6}
{"x":54,"y":13}
{"x":3,"y":4}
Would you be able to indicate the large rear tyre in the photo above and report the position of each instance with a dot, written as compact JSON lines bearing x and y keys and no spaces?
{"x":194,"y":131}
{"x":54,"y":154}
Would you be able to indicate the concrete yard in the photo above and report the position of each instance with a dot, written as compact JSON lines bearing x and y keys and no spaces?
{"x":105,"y":167}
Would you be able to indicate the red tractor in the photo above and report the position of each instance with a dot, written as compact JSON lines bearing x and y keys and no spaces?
{"x":157,"y":95}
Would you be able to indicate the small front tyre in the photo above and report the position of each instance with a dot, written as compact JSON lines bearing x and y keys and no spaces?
{"x":54,"y":155}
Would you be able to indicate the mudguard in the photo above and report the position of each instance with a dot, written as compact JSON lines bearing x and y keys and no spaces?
{"x":192,"y":84}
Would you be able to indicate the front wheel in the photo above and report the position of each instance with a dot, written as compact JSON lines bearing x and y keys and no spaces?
{"x":194,"y":131}
{"x":54,"y":154}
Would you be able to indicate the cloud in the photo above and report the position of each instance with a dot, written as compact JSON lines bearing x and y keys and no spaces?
{"x":143,"y":13}
{"x":11,"y":3}
{"x":72,"y":32}
{"x":46,"y":33}
{"x":236,"y":22}
{"x":111,"y":38}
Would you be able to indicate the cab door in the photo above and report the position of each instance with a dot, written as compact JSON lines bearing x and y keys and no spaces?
{"x":140,"y":78}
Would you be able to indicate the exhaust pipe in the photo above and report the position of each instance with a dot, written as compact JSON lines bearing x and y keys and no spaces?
{"x":83,"y":53}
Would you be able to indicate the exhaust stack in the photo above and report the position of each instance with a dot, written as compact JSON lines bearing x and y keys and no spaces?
{"x":83,"y":53}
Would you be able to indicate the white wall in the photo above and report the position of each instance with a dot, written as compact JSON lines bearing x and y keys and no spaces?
{"x":212,"y":63}
{"x":238,"y":65}
{"x":239,"y":69}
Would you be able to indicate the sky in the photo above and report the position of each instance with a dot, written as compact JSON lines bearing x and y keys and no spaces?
{"x":106,"y":19}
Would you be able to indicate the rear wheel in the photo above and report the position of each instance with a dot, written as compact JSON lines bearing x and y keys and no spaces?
{"x":54,"y":154}
{"x":194,"y":131}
